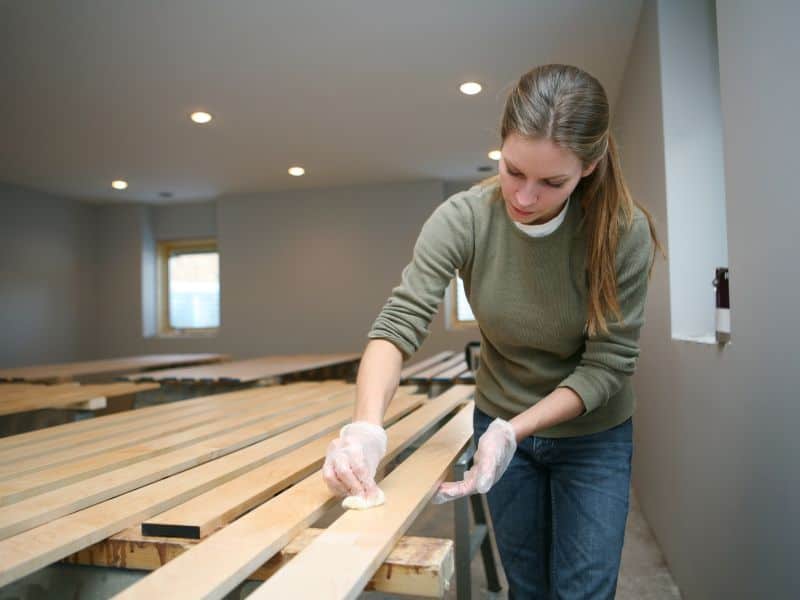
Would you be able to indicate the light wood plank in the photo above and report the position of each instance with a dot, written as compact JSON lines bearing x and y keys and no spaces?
{"x":449,"y":375}
{"x":426,"y":375}
{"x":418,"y":566}
{"x":51,"y":541}
{"x":240,"y":548}
{"x":47,"y":440}
{"x":172,"y":434}
{"x":425,"y":364}
{"x":345,"y":556}
{"x":50,"y":505}
{"x":204,"y":514}
{"x":250,"y":370}
{"x":127,"y":364}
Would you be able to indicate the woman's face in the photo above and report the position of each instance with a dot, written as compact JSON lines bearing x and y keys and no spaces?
{"x":537,"y":177}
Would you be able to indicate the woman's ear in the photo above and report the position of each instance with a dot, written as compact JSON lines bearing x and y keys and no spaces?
{"x":588,"y":170}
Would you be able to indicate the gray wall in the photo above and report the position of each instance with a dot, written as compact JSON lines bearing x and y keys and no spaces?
{"x":47,"y":278}
{"x":716,"y":441}
{"x":300,"y":272}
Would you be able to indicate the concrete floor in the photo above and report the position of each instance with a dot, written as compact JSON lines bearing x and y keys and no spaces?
{"x":643,"y":575}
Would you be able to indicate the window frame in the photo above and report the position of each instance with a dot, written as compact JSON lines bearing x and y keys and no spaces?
{"x":452,"y":322}
{"x":164,"y":250}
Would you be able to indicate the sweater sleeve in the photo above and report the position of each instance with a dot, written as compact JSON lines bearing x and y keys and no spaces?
{"x":608,"y":359}
{"x":442,"y":247}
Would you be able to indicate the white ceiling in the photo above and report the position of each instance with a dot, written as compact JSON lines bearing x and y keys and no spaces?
{"x":356,"y":91}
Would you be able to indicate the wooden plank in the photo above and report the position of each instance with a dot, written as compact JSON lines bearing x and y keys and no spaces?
{"x":345,"y":556}
{"x":47,"y":440}
{"x":449,"y":375}
{"x":72,"y":395}
{"x":250,"y":370}
{"x":127,"y":364}
{"x":83,"y":447}
{"x":426,"y":375}
{"x":206,"y":513}
{"x":425,"y":364}
{"x":418,"y":566}
{"x":55,"y":503}
{"x":11,"y":391}
{"x":240,"y":548}
{"x":31,"y":550}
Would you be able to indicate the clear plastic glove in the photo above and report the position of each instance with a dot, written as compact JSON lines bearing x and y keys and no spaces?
{"x":496,"y":447}
{"x":351,"y":462}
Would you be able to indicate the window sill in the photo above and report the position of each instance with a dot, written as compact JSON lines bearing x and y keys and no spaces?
{"x":707,"y":339}
{"x":179,"y":335}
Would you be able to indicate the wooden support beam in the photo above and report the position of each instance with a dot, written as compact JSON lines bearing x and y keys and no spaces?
{"x":416,"y":566}
{"x":240,"y":548}
{"x":33,"y":549}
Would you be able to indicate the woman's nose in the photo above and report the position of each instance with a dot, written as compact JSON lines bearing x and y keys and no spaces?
{"x":526,"y":196}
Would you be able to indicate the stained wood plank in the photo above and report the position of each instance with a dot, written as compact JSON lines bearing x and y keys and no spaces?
{"x":55,"y":503}
{"x":250,"y":370}
{"x":127,"y":364}
{"x":79,"y":460}
{"x":345,"y":556}
{"x":425,"y":364}
{"x":51,"y":541}
{"x":418,"y":566}
{"x":240,"y":548}
{"x":48,"y":397}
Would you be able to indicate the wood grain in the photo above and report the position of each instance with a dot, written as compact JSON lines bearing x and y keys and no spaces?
{"x":243,"y":371}
{"x":72,"y":370}
{"x":346,"y":555}
{"x":240,"y":548}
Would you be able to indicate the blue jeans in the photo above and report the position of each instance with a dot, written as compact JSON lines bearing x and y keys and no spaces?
{"x":559,"y":513}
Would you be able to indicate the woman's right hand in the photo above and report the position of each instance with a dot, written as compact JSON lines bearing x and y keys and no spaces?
{"x":352,"y":460}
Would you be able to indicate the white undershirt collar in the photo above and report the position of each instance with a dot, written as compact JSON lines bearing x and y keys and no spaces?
{"x":543,"y":229}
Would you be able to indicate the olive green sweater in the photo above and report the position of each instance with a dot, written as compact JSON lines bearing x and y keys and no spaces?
{"x":529,"y":297}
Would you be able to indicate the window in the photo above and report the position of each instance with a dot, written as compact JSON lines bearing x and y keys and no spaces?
{"x":188,"y":287}
{"x":459,"y":314}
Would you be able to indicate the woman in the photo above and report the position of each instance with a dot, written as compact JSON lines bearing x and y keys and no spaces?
{"x":555,"y":257}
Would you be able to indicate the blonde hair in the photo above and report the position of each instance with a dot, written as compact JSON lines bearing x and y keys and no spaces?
{"x":568,"y":106}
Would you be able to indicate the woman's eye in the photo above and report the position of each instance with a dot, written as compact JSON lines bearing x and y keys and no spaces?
{"x":515,"y":174}
{"x":555,"y":185}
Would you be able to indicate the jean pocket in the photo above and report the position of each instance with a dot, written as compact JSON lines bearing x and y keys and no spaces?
{"x":480,"y":422}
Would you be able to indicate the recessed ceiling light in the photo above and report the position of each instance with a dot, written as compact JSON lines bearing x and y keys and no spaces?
{"x":201,"y":117}
{"x":470,"y":88}
{"x":495,"y":155}
{"x":296,"y":171}
{"x":119,"y":184}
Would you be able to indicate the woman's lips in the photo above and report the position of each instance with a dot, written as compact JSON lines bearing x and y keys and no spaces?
{"x":523,"y":213}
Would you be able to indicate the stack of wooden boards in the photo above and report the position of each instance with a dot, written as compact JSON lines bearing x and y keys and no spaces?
{"x":280,"y":367}
{"x":441,"y":370}
{"x":24,"y":397}
{"x":237,"y":477}
{"x":59,"y":373}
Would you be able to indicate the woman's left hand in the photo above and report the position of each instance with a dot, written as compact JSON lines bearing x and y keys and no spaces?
{"x":495,"y":449}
